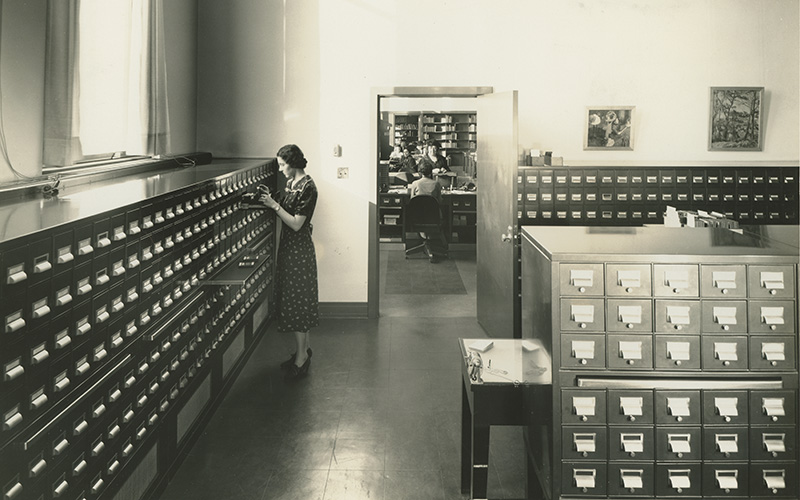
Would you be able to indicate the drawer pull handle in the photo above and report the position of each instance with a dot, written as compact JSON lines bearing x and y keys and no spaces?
{"x":16,"y":277}
{"x":113,"y":467}
{"x":84,"y":289}
{"x":127,"y":417}
{"x":98,"y":411}
{"x":65,"y":257}
{"x":130,"y":381}
{"x":117,"y":341}
{"x":12,"y":421}
{"x":60,"y":489}
{"x":117,"y":307}
{"x":119,"y":270}
{"x":14,"y":325}
{"x":153,"y":419}
{"x":141,"y":432}
{"x":102,"y":316}
{"x":134,"y":228}
{"x":98,"y":485}
{"x":61,"y":384}
{"x":85,"y":249}
{"x":42,"y":267}
{"x":13,"y":491}
{"x":102,"y":279}
{"x":133,"y":263}
{"x":79,"y":468}
{"x":114,"y":396}
{"x":60,"y":447}
{"x":38,"y":401}
{"x":98,"y":448}
{"x":83,"y":328}
{"x":131,"y":330}
{"x":119,"y":234}
{"x":64,"y":300}
{"x":82,"y":368}
{"x":41,"y":312}
{"x":113,"y":432}
{"x":13,"y":373}
{"x":103,"y":242}
{"x":38,"y":468}
{"x":127,"y":450}
{"x":82,"y":426}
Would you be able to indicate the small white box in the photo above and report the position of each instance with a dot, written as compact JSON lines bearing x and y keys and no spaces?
{"x":481,"y":345}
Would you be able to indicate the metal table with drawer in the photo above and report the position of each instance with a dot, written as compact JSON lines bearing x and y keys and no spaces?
{"x":675,"y":361}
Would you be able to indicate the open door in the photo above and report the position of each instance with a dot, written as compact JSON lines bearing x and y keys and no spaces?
{"x":497,"y":245}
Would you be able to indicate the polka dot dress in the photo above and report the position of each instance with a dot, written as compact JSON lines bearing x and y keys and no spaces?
{"x":296,"y":292}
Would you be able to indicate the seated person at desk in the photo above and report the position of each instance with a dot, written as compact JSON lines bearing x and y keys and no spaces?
{"x":437,"y":162}
{"x":407,"y":163}
{"x":426,"y":185}
{"x":395,"y":156}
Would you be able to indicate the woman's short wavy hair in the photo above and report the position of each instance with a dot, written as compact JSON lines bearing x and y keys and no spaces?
{"x":293,"y":156}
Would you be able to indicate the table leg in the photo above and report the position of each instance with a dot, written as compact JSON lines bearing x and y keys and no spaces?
{"x":466,"y":441}
{"x":480,"y":461}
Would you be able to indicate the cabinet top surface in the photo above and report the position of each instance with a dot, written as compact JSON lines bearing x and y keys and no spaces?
{"x":619,"y":243}
{"x":26,"y":216}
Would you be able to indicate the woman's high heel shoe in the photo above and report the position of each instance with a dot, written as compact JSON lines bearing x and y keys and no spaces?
{"x":296,"y":372}
{"x":289,"y":362}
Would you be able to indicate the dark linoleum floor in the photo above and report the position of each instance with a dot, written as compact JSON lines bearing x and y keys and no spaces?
{"x":378,"y":417}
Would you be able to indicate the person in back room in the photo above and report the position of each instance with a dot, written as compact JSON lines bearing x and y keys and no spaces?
{"x":437,"y":162}
{"x":426,"y":185}
{"x":408,"y":165}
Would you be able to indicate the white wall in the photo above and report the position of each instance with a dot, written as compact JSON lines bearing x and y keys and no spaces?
{"x":22,"y":48}
{"x":563,"y":56}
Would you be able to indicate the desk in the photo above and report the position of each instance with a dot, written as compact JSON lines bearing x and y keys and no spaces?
{"x":459,"y":212}
{"x":492,"y":395}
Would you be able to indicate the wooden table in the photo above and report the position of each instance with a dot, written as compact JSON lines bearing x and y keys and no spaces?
{"x":493,"y":396}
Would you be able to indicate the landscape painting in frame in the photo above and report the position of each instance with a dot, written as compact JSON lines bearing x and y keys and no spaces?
{"x":735,"y":121}
{"x":609,"y":128}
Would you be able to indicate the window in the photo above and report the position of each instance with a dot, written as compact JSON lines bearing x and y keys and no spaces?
{"x":105,"y":82}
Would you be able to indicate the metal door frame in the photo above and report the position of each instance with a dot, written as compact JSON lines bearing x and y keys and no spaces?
{"x":376,"y":93}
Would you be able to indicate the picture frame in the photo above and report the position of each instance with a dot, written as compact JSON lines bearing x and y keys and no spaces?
{"x":609,"y":128}
{"x":735,"y":119}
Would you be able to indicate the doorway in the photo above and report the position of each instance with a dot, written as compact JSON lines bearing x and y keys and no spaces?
{"x":382,"y":100}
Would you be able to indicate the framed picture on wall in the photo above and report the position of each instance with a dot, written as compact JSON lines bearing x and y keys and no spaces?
{"x":609,"y":128}
{"x":735,"y":119}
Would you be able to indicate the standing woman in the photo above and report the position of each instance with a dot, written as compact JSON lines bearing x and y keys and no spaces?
{"x":296,"y":295}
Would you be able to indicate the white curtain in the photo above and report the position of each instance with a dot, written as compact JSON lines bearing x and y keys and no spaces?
{"x":144,"y":122}
{"x":153,"y":84}
{"x":62,"y":146}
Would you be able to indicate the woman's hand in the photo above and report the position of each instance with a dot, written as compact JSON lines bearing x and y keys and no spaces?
{"x":268,"y":201}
